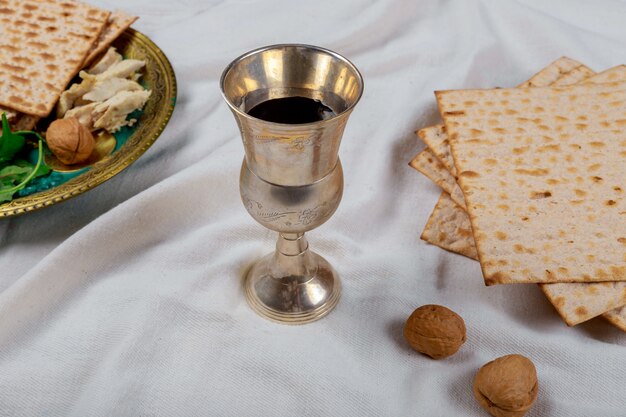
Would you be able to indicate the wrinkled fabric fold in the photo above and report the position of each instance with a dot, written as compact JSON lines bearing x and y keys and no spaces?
{"x":128,"y":301}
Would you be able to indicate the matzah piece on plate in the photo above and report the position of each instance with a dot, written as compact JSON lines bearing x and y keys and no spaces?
{"x":436,"y":139}
{"x":9,"y":113}
{"x":428,"y":164}
{"x":542,"y":173}
{"x":117,"y":24}
{"x":43,"y":44}
{"x":25,"y":122}
{"x":19,"y":121}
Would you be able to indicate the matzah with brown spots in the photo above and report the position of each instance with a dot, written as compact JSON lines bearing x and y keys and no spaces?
{"x":576,"y":75}
{"x":554,"y":72}
{"x":436,"y":139}
{"x":542,"y":174}
{"x":43,"y":44}
{"x":449,"y":228}
{"x":428,"y":164}
{"x":118,"y":22}
{"x":617,"y":317}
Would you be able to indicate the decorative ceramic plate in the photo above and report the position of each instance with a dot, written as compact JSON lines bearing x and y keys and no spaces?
{"x":113,"y":153}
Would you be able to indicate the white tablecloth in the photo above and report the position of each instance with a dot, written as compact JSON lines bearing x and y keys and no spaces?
{"x":127,"y":300}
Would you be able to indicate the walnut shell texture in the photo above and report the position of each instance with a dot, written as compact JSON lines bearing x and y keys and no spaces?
{"x":507,"y":386}
{"x":435,"y":331}
{"x":69,"y":141}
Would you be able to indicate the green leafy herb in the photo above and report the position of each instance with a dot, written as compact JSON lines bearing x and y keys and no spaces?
{"x":10,"y":143}
{"x":16,"y":173}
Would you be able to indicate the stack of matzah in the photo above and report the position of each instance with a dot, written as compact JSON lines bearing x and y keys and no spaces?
{"x":534,"y":180}
{"x":43,"y":45}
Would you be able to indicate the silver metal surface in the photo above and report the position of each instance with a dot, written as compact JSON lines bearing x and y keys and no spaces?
{"x":291,"y":178}
{"x":288,"y":154}
{"x":291,"y":209}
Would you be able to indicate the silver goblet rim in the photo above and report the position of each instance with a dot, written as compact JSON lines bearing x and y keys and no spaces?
{"x":252,"y":52}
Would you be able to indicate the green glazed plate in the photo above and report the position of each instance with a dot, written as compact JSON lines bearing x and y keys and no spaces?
{"x":130,"y":143}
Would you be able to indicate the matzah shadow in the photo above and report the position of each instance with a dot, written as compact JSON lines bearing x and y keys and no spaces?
{"x":526,"y":304}
{"x":602,"y":331}
{"x":440,"y":271}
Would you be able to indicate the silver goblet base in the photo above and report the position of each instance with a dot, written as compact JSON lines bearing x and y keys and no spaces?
{"x":292,"y":297}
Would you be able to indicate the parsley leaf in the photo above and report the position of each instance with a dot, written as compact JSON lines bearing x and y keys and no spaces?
{"x":16,"y":173}
{"x":10,"y":143}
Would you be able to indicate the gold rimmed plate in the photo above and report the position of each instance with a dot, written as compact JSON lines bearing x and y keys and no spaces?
{"x":113,"y":153}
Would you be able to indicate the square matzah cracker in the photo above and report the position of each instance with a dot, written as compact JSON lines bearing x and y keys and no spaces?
{"x":542,"y":171}
{"x":436,"y":139}
{"x":42,"y":46}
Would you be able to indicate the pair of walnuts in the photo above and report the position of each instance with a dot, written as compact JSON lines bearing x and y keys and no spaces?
{"x":505,"y":387}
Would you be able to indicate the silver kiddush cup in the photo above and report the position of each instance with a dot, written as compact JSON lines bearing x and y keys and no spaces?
{"x":291,"y":178}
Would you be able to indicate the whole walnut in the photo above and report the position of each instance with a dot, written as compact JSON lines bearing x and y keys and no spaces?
{"x":507,"y":386}
{"x":435,"y":331}
{"x":69,"y":141}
